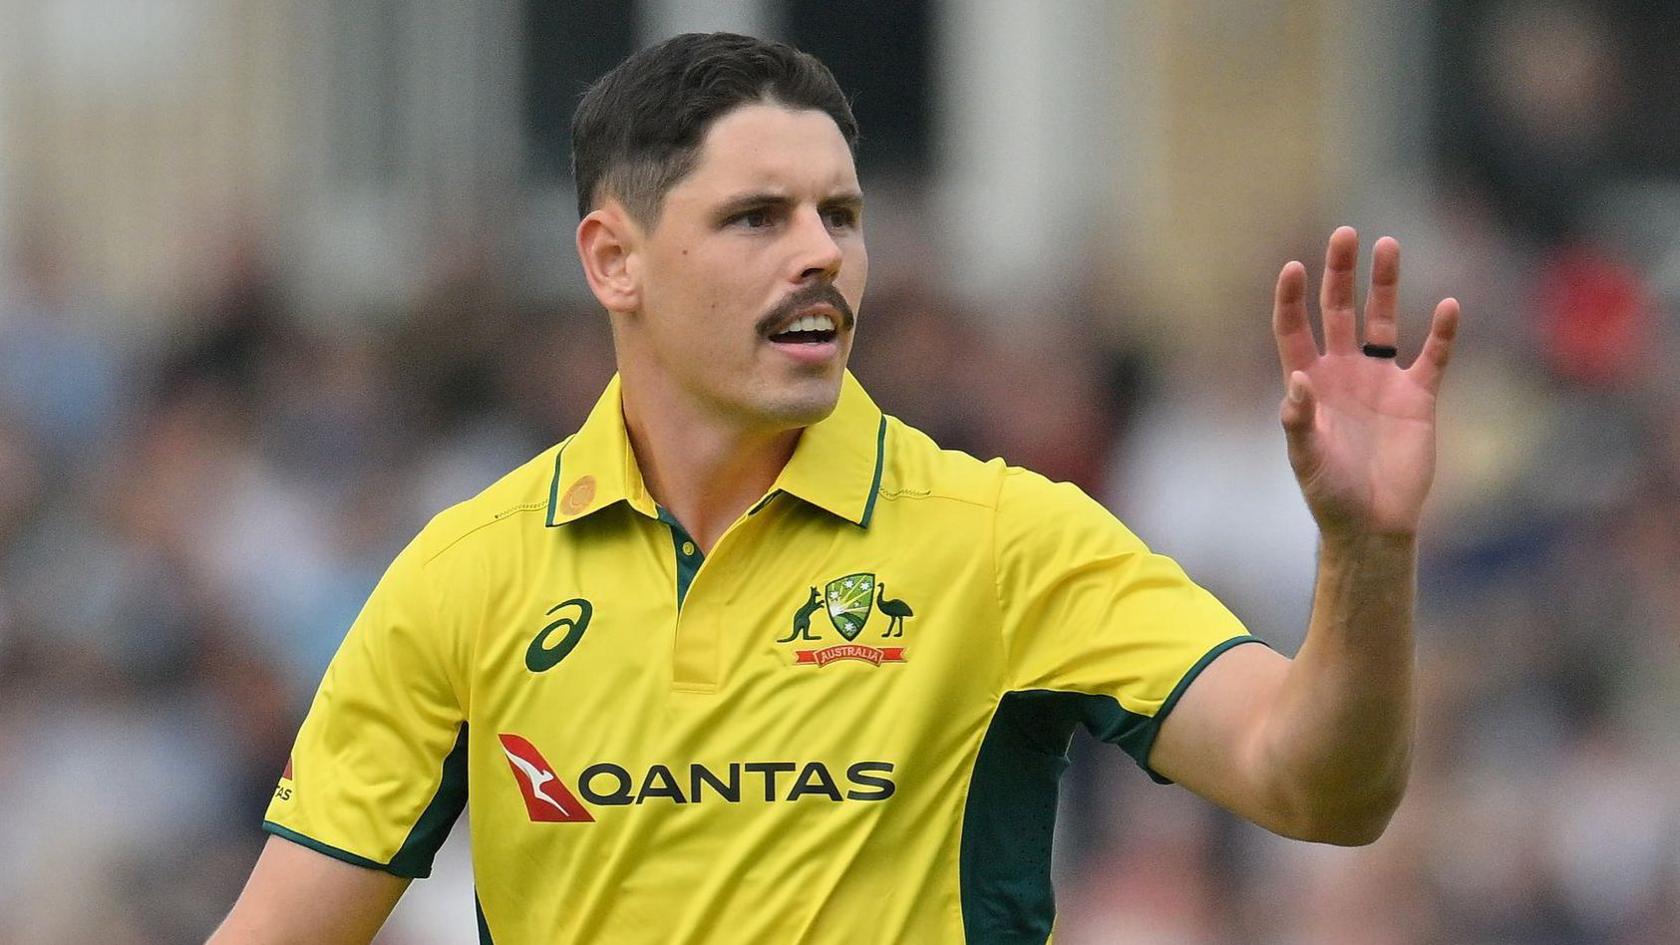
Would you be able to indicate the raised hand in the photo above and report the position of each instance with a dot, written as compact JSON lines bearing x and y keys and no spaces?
{"x":1360,"y":430}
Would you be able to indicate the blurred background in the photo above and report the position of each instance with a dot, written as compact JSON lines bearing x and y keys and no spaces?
{"x":279,"y":280}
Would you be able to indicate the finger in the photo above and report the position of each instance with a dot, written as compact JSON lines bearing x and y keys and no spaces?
{"x":1437,"y":349}
{"x":1382,"y":299}
{"x":1300,"y":403}
{"x":1335,"y":294}
{"x":1296,"y":348}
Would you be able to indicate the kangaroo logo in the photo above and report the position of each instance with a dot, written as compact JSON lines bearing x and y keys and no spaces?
{"x":802,"y":619}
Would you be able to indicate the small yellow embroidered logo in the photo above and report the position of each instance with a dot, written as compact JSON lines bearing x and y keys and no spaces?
{"x":578,"y":496}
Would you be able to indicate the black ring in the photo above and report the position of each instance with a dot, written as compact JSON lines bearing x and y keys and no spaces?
{"x":1380,"y":351}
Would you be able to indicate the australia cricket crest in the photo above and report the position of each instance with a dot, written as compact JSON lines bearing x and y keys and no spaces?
{"x":850,"y":601}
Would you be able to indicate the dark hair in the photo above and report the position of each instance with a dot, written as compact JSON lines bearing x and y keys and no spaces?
{"x":638,"y":129}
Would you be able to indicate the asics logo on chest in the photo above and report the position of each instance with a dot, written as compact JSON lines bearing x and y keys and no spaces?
{"x":556,"y":641}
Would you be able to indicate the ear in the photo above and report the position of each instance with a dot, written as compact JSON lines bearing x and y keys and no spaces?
{"x":606,"y":243}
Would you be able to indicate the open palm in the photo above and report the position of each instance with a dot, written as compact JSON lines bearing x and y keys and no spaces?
{"x":1360,"y":430}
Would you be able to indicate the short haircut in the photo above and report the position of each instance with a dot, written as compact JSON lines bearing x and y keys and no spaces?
{"x":638,"y":129}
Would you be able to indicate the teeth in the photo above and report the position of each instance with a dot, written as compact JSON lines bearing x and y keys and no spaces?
{"x":812,"y":323}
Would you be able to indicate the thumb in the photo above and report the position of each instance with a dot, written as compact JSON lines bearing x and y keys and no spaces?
{"x":1299,"y":406}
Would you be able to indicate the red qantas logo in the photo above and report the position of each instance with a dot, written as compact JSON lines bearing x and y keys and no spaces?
{"x":546,"y":797}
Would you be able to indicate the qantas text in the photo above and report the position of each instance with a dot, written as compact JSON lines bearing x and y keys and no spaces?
{"x":610,"y":784}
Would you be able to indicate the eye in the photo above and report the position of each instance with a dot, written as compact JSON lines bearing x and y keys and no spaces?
{"x":755,"y":219}
{"x":841,"y":218}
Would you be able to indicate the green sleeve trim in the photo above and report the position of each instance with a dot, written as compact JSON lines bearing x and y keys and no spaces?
{"x":1140,"y":740}
{"x":326,"y":848}
{"x":414,"y":859}
{"x":1196,"y":670}
{"x":880,"y":463}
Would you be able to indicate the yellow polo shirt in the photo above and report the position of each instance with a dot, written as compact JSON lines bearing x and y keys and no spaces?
{"x":844,"y":724}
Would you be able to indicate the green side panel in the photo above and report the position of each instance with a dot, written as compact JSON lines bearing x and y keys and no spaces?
{"x":483,"y":926}
{"x":414,"y":859}
{"x":325,"y":848}
{"x":687,"y":565}
{"x":1010,"y":817}
{"x":1135,"y":734}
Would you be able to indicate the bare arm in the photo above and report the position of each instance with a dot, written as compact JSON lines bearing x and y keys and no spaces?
{"x":1318,"y":748}
{"x":296,"y":896}
{"x":1315,"y":748}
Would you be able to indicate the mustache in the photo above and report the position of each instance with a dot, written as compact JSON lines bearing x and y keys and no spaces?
{"x":821,"y":292}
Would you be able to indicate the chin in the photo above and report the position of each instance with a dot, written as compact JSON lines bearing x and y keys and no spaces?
{"x":799,"y":405}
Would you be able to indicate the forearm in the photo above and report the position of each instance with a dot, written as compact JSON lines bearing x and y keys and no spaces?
{"x":1338,"y":736}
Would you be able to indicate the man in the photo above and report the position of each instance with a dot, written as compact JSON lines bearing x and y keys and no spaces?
{"x":746,"y":660}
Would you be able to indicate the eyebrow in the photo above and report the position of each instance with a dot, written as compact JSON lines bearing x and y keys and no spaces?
{"x":850,"y":199}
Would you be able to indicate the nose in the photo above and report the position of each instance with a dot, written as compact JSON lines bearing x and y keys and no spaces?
{"x":818,"y":252}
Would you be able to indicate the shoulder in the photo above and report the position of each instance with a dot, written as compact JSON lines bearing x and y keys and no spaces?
{"x":518,"y":500}
{"x":917,"y":467}
{"x":1027,"y":496}
{"x":1033,"y":522}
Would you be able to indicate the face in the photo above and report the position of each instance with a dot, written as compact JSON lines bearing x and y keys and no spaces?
{"x":748,"y":284}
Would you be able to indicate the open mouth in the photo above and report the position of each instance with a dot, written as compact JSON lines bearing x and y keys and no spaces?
{"x":807,"y":330}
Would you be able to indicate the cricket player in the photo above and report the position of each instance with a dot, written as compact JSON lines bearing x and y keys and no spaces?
{"x":746,"y":659}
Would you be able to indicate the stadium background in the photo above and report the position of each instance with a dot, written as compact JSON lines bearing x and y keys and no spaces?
{"x":279,"y":280}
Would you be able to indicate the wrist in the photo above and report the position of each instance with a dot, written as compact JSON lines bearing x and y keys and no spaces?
{"x":1361,"y":543}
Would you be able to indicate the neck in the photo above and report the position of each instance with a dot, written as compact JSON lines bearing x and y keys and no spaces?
{"x":701,"y":468}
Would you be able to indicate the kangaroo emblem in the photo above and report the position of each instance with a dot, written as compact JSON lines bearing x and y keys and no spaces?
{"x":802,"y":619}
{"x":896,"y":609}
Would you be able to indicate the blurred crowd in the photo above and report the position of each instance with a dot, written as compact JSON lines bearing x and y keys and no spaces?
{"x":189,"y":520}
{"x":187,"y":528}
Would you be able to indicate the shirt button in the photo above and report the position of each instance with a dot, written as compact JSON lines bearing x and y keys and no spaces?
{"x":688,"y":549}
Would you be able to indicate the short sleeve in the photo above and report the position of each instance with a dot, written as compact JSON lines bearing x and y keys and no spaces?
{"x":377,"y":775}
{"x":1089,"y":611}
